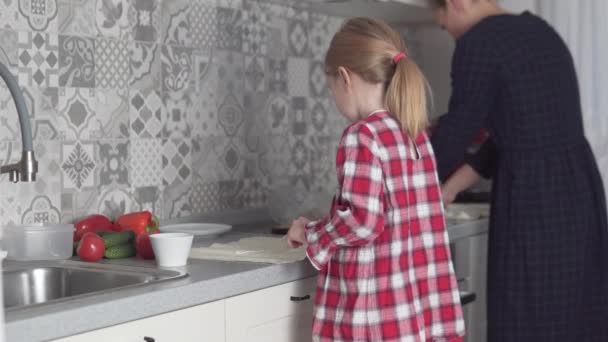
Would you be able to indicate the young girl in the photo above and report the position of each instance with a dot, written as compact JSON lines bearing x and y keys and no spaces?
{"x":383,"y":255}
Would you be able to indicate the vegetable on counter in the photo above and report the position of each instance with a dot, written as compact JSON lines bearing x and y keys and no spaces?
{"x":91,"y":224}
{"x":143,"y":245}
{"x":91,"y":247}
{"x":118,"y":238}
{"x":138,"y":222}
{"x":120,"y":251}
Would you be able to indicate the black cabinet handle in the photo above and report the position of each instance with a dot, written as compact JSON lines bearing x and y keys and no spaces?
{"x":467,"y":297}
{"x":148,"y":339}
{"x":299,"y":299}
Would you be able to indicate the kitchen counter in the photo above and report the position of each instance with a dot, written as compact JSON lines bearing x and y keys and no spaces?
{"x":207,"y":281}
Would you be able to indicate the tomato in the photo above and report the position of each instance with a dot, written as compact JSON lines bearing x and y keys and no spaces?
{"x":91,"y":247}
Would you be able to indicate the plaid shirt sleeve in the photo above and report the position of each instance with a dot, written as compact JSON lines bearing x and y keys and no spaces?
{"x":356,"y":216}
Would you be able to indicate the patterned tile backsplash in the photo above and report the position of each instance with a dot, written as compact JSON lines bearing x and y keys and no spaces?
{"x":175,"y":106}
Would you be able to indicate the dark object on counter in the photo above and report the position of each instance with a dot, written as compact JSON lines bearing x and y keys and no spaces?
{"x":473,"y":197}
{"x":279,"y":230}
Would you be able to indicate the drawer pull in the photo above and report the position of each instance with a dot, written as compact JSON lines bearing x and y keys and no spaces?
{"x":148,"y":339}
{"x":299,"y":299}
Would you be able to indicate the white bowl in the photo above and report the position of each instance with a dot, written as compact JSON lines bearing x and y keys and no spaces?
{"x":171,"y":249}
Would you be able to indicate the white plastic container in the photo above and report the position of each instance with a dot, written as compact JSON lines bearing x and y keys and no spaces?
{"x":171,"y":249}
{"x":38,"y":242}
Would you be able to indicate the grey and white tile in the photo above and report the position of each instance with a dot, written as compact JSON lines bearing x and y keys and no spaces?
{"x":148,"y":198}
{"x":203,"y":21}
{"x":229,"y":195}
{"x":9,"y":15}
{"x":230,"y":115}
{"x":115,"y":201}
{"x":146,"y":18}
{"x":144,"y":61}
{"x":229,"y":28}
{"x":319,"y":115}
{"x":299,"y":116}
{"x":255,"y":74}
{"x":322,"y":30}
{"x":298,"y":38}
{"x":206,"y":154}
{"x":114,"y":163}
{"x":176,"y":68}
{"x":230,"y":72}
{"x":205,"y":197}
{"x":255,"y":29}
{"x":318,"y":83}
{"x":203,"y":75}
{"x":75,"y":17}
{"x":177,"y":123}
{"x":9,"y":123}
{"x":177,"y":161}
{"x":76,"y":61}
{"x":298,"y":71}
{"x":78,"y":165}
{"x":42,"y":104}
{"x":146,"y":113}
{"x":176,"y":24}
{"x":38,"y":59}
{"x":277,"y":114}
{"x":76,"y":113}
{"x":176,"y":201}
{"x":42,"y":210}
{"x":112,"y":117}
{"x":278,"y":37}
{"x":112,"y":18}
{"x":40,"y":15}
{"x":274,"y":158}
{"x":111,"y":64}
{"x":205,"y":108}
{"x":9,"y":49}
{"x":145,"y":162}
{"x":278,"y":75}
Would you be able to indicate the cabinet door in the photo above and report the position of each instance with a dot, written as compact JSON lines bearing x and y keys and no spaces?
{"x":196,"y":324}
{"x":280,"y":313}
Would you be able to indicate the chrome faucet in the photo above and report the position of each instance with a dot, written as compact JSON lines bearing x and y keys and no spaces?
{"x":26,"y":169}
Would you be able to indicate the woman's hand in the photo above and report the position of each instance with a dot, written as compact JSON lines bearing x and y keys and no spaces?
{"x":448,"y":195}
{"x":296,"y":236}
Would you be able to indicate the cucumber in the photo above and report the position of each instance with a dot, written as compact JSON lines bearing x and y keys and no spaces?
{"x":118,"y":238}
{"x":120,"y":251}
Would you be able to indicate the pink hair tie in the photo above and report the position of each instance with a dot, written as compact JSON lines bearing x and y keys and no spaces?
{"x":399,"y":56}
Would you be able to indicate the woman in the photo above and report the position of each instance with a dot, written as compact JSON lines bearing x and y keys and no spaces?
{"x":548,"y":244}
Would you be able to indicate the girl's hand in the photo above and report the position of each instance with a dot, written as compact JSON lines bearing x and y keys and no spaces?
{"x":296,"y":236}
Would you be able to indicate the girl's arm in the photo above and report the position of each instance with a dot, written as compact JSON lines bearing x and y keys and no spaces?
{"x":357,"y":216}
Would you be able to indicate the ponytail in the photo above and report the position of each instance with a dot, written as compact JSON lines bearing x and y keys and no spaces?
{"x":406,"y":97}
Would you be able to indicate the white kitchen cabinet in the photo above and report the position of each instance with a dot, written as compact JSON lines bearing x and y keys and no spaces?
{"x":200,"y":323}
{"x":280,"y":313}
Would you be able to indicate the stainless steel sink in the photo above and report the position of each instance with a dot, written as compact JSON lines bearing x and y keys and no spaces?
{"x":37,"y":283}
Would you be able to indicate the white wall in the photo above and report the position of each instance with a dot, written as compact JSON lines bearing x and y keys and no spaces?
{"x":434,"y":57}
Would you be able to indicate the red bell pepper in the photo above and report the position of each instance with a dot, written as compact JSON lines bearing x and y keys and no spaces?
{"x":138,"y":222}
{"x":143,"y":245}
{"x":91,"y":224}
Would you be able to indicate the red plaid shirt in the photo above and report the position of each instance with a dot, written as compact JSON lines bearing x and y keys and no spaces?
{"x":383,"y":251}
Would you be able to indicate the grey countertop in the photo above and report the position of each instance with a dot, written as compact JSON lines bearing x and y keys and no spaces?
{"x":207,"y":281}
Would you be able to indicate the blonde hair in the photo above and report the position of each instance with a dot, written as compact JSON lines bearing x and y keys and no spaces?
{"x":367,"y":47}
